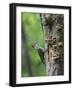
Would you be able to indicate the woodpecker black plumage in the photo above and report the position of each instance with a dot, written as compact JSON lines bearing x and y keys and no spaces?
{"x":41,"y":52}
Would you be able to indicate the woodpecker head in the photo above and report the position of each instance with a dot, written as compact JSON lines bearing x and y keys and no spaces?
{"x":34,"y":45}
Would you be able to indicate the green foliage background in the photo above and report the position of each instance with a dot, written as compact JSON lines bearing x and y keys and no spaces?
{"x":32,"y":31}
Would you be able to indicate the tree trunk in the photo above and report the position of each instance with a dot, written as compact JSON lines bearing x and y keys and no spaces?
{"x":53,"y":28}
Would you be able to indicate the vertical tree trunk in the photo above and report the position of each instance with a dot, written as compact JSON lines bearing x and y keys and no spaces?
{"x":45,"y":32}
{"x":53,"y":27}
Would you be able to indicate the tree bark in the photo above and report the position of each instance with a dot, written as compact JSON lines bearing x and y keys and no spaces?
{"x":53,"y":26}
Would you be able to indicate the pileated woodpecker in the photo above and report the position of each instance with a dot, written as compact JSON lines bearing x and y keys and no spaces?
{"x":40,"y":50}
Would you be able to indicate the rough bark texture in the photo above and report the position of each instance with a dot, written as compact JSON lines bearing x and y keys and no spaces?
{"x":53,"y":28}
